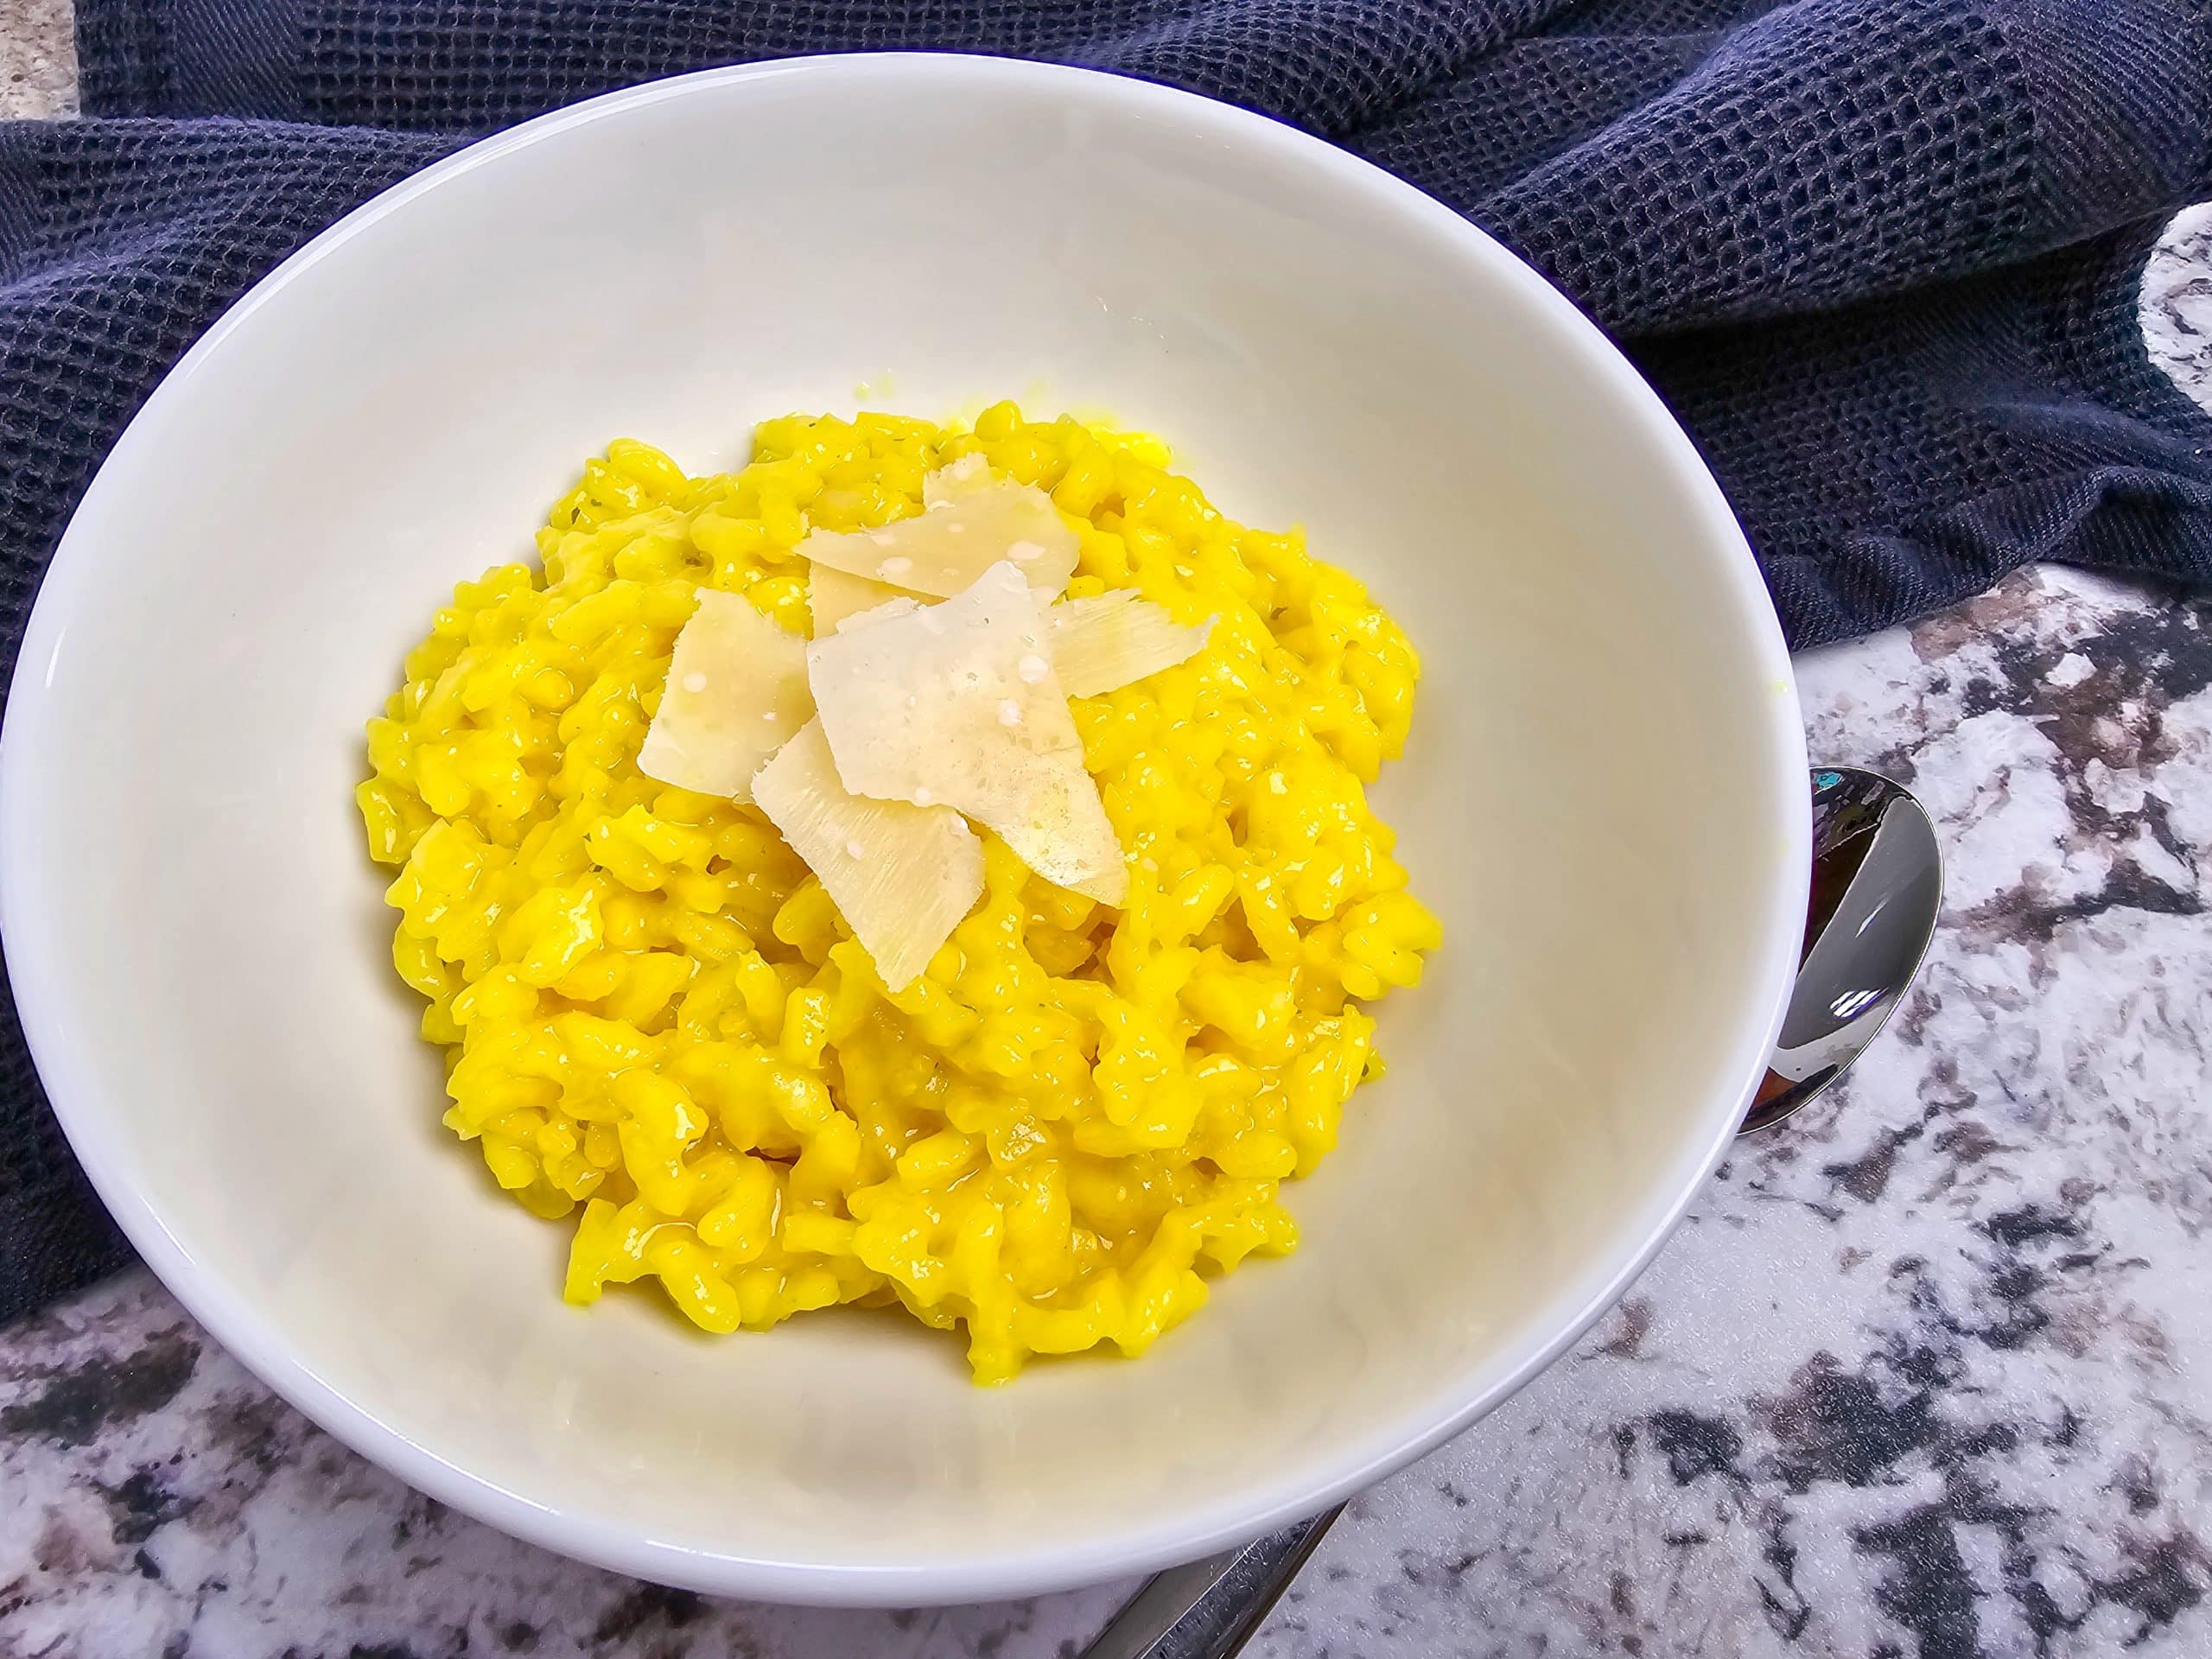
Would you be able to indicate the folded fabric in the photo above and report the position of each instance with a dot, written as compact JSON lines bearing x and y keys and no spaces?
{"x":1882,"y":256}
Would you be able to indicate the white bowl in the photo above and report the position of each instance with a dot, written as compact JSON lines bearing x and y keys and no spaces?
{"x":1605,"y":797}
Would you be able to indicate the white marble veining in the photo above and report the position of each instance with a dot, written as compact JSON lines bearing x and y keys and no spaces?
{"x":1927,"y":1373}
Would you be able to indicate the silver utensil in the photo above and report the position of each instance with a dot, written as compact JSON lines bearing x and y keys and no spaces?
{"x":1208,"y":1609}
{"x":1877,"y":884}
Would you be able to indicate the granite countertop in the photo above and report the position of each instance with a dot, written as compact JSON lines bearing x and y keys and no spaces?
{"x":1926,"y":1373}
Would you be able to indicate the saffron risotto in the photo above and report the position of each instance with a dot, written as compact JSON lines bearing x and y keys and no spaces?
{"x":658,"y":1028}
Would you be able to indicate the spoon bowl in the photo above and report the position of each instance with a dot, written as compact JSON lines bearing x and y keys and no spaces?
{"x":1877,"y":884}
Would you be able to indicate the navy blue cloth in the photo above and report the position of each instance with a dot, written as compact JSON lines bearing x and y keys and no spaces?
{"x":1881,"y":255}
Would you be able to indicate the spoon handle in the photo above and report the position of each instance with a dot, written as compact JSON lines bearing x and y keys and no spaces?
{"x":1210,"y":1609}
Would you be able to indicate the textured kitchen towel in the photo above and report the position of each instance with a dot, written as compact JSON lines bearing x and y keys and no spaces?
{"x":1881,"y":255}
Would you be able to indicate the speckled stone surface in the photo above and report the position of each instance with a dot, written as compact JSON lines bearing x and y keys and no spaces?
{"x":1928,"y":1373}
{"x":38,"y":59}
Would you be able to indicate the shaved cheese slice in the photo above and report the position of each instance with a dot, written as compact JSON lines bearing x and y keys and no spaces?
{"x":944,"y":550}
{"x":736,"y":691}
{"x":834,"y":595}
{"x":902,"y":876}
{"x":1104,"y":642}
{"x":956,"y":704}
{"x":962,"y":477}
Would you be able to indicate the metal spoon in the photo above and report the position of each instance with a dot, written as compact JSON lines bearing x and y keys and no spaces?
{"x":1877,"y":883}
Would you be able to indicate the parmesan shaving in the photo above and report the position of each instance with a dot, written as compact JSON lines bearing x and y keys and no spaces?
{"x":934,"y":705}
{"x":902,"y":876}
{"x":835,"y":596}
{"x":1105,"y":642}
{"x":944,"y":550}
{"x":736,"y":690}
{"x":962,"y":477}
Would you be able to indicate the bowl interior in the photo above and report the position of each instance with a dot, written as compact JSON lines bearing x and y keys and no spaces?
{"x":1603,"y":797}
